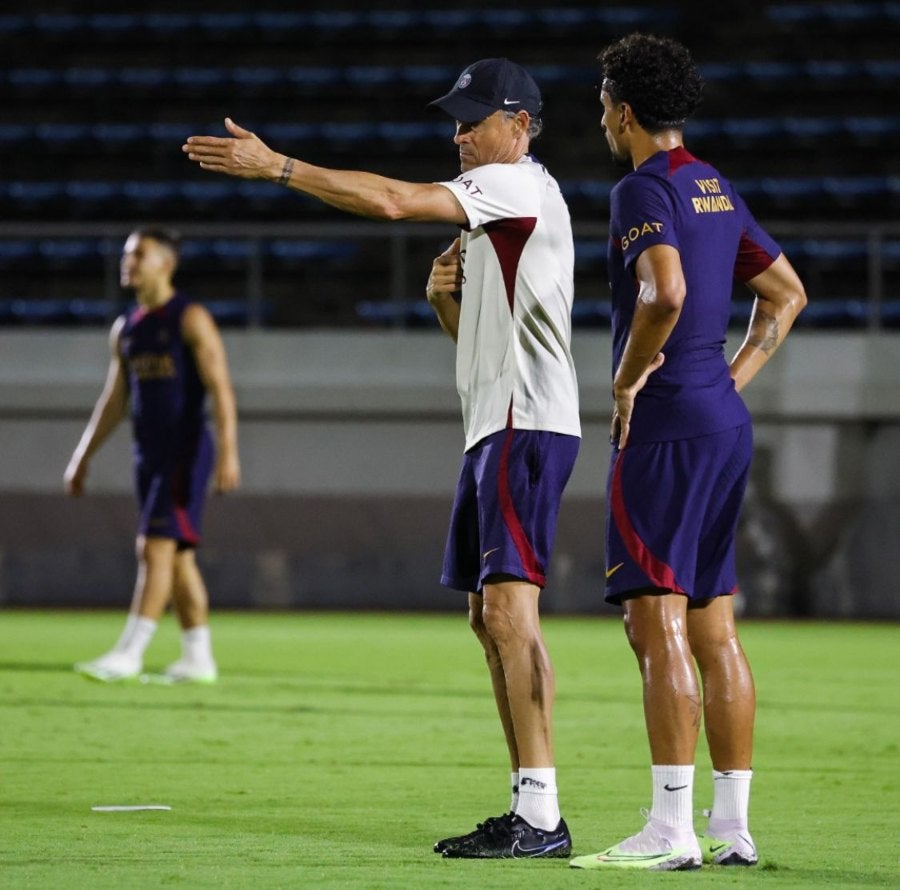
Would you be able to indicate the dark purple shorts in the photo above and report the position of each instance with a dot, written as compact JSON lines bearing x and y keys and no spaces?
{"x":507,"y":500}
{"x":171,"y":494}
{"x":672,"y":514}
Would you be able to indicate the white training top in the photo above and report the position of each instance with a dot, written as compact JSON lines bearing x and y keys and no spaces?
{"x":513,"y":358}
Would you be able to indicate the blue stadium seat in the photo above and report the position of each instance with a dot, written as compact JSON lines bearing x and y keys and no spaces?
{"x":15,"y":251}
{"x":294,"y":251}
{"x":12,"y":134}
{"x":313,"y":77}
{"x":88,"y":78}
{"x":34,"y":78}
{"x":60,"y":135}
{"x":114,"y":24}
{"x":14,"y":25}
{"x":254,"y":78}
{"x":146,"y":78}
{"x":69,"y":250}
{"x":200,"y":78}
{"x":370,"y":75}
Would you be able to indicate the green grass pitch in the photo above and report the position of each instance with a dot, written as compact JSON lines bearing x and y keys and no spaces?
{"x":337,"y":748}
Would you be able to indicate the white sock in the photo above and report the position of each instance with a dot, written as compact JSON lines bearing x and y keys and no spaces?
{"x":731,"y":799}
{"x":673,"y":796}
{"x":125,"y":636}
{"x":514,"y":781}
{"x":538,"y":803}
{"x":141,"y":634}
{"x":196,"y":644}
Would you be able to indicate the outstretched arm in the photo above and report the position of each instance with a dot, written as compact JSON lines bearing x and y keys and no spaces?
{"x":108,"y":412}
{"x":202,"y":336}
{"x":660,"y":298}
{"x":780,"y":297}
{"x":444,"y":281}
{"x":245,"y":155}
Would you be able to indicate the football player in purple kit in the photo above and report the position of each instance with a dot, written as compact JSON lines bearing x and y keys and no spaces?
{"x":682,"y":440}
{"x":519,"y":394}
{"x":167,"y":354}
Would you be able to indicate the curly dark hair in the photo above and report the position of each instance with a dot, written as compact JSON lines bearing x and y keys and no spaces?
{"x":656,"y":76}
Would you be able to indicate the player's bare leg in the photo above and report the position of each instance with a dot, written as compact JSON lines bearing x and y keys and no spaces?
{"x":512,"y":621}
{"x":152,"y":591}
{"x":656,"y":625}
{"x":189,"y":594}
{"x":191,"y":602}
{"x":506,"y":620}
{"x":729,"y":709}
{"x":510,"y":616}
{"x":156,"y":569}
{"x":498,"y":677}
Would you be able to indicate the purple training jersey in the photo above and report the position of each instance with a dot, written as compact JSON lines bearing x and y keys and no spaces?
{"x":675,"y":199}
{"x":172,"y":444}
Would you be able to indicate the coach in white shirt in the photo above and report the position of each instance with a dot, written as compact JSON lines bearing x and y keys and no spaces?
{"x":511,"y":268}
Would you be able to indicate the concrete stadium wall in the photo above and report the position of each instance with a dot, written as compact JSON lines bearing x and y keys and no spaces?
{"x":350,"y":445}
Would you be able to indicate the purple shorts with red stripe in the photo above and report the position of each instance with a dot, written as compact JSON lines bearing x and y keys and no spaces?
{"x":673,"y":510}
{"x":507,"y":501}
{"x":171,"y":495}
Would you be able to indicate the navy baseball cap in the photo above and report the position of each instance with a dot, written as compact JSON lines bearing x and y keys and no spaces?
{"x":487,"y":86}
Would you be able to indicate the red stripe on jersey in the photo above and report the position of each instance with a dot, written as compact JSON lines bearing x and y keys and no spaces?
{"x":533,"y":570}
{"x":751,"y":259}
{"x":659,"y":574}
{"x":508,"y":236}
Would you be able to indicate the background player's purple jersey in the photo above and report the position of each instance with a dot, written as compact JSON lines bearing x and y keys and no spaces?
{"x":167,"y":394}
{"x":675,"y":199}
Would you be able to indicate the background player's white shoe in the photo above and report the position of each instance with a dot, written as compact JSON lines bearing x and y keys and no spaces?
{"x":111,"y":668}
{"x":186,"y":670}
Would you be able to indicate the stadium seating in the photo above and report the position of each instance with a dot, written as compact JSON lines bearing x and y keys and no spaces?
{"x":99,"y":103}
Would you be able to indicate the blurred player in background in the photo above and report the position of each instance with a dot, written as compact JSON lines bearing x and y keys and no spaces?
{"x":682,"y":442}
{"x":166,"y":355}
{"x":513,"y":263}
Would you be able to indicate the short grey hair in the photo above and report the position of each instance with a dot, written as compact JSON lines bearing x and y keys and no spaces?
{"x":535,"y":124}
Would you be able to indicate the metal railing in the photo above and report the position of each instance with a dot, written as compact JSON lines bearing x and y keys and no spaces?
{"x":871,"y":248}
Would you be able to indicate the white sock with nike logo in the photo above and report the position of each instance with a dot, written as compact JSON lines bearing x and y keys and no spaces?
{"x":538,"y":803}
{"x":731,"y":800}
{"x":673,"y":796}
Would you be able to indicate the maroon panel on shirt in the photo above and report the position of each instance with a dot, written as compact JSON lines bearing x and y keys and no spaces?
{"x":751,"y":260}
{"x":508,"y":236}
{"x":678,"y":157}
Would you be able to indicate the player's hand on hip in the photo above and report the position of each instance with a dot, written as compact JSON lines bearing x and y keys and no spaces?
{"x":446,"y":274}
{"x":242,"y":154}
{"x":624,"y":397}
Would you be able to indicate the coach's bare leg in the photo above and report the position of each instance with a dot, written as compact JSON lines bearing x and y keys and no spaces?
{"x":189,"y":592}
{"x":511,"y":619}
{"x":656,"y":625}
{"x":729,"y":696}
{"x":498,"y":678}
{"x":156,"y":568}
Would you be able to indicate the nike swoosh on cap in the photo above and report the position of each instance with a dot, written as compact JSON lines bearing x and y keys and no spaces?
{"x":512,"y":101}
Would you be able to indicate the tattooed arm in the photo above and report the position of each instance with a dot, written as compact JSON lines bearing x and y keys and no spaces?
{"x":779,"y":299}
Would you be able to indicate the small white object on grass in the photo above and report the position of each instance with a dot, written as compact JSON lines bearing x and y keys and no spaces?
{"x":131,"y":808}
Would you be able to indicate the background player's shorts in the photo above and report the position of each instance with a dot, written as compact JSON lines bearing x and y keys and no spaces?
{"x":672,"y":514}
{"x":171,"y":494}
{"x":507,"y":500}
